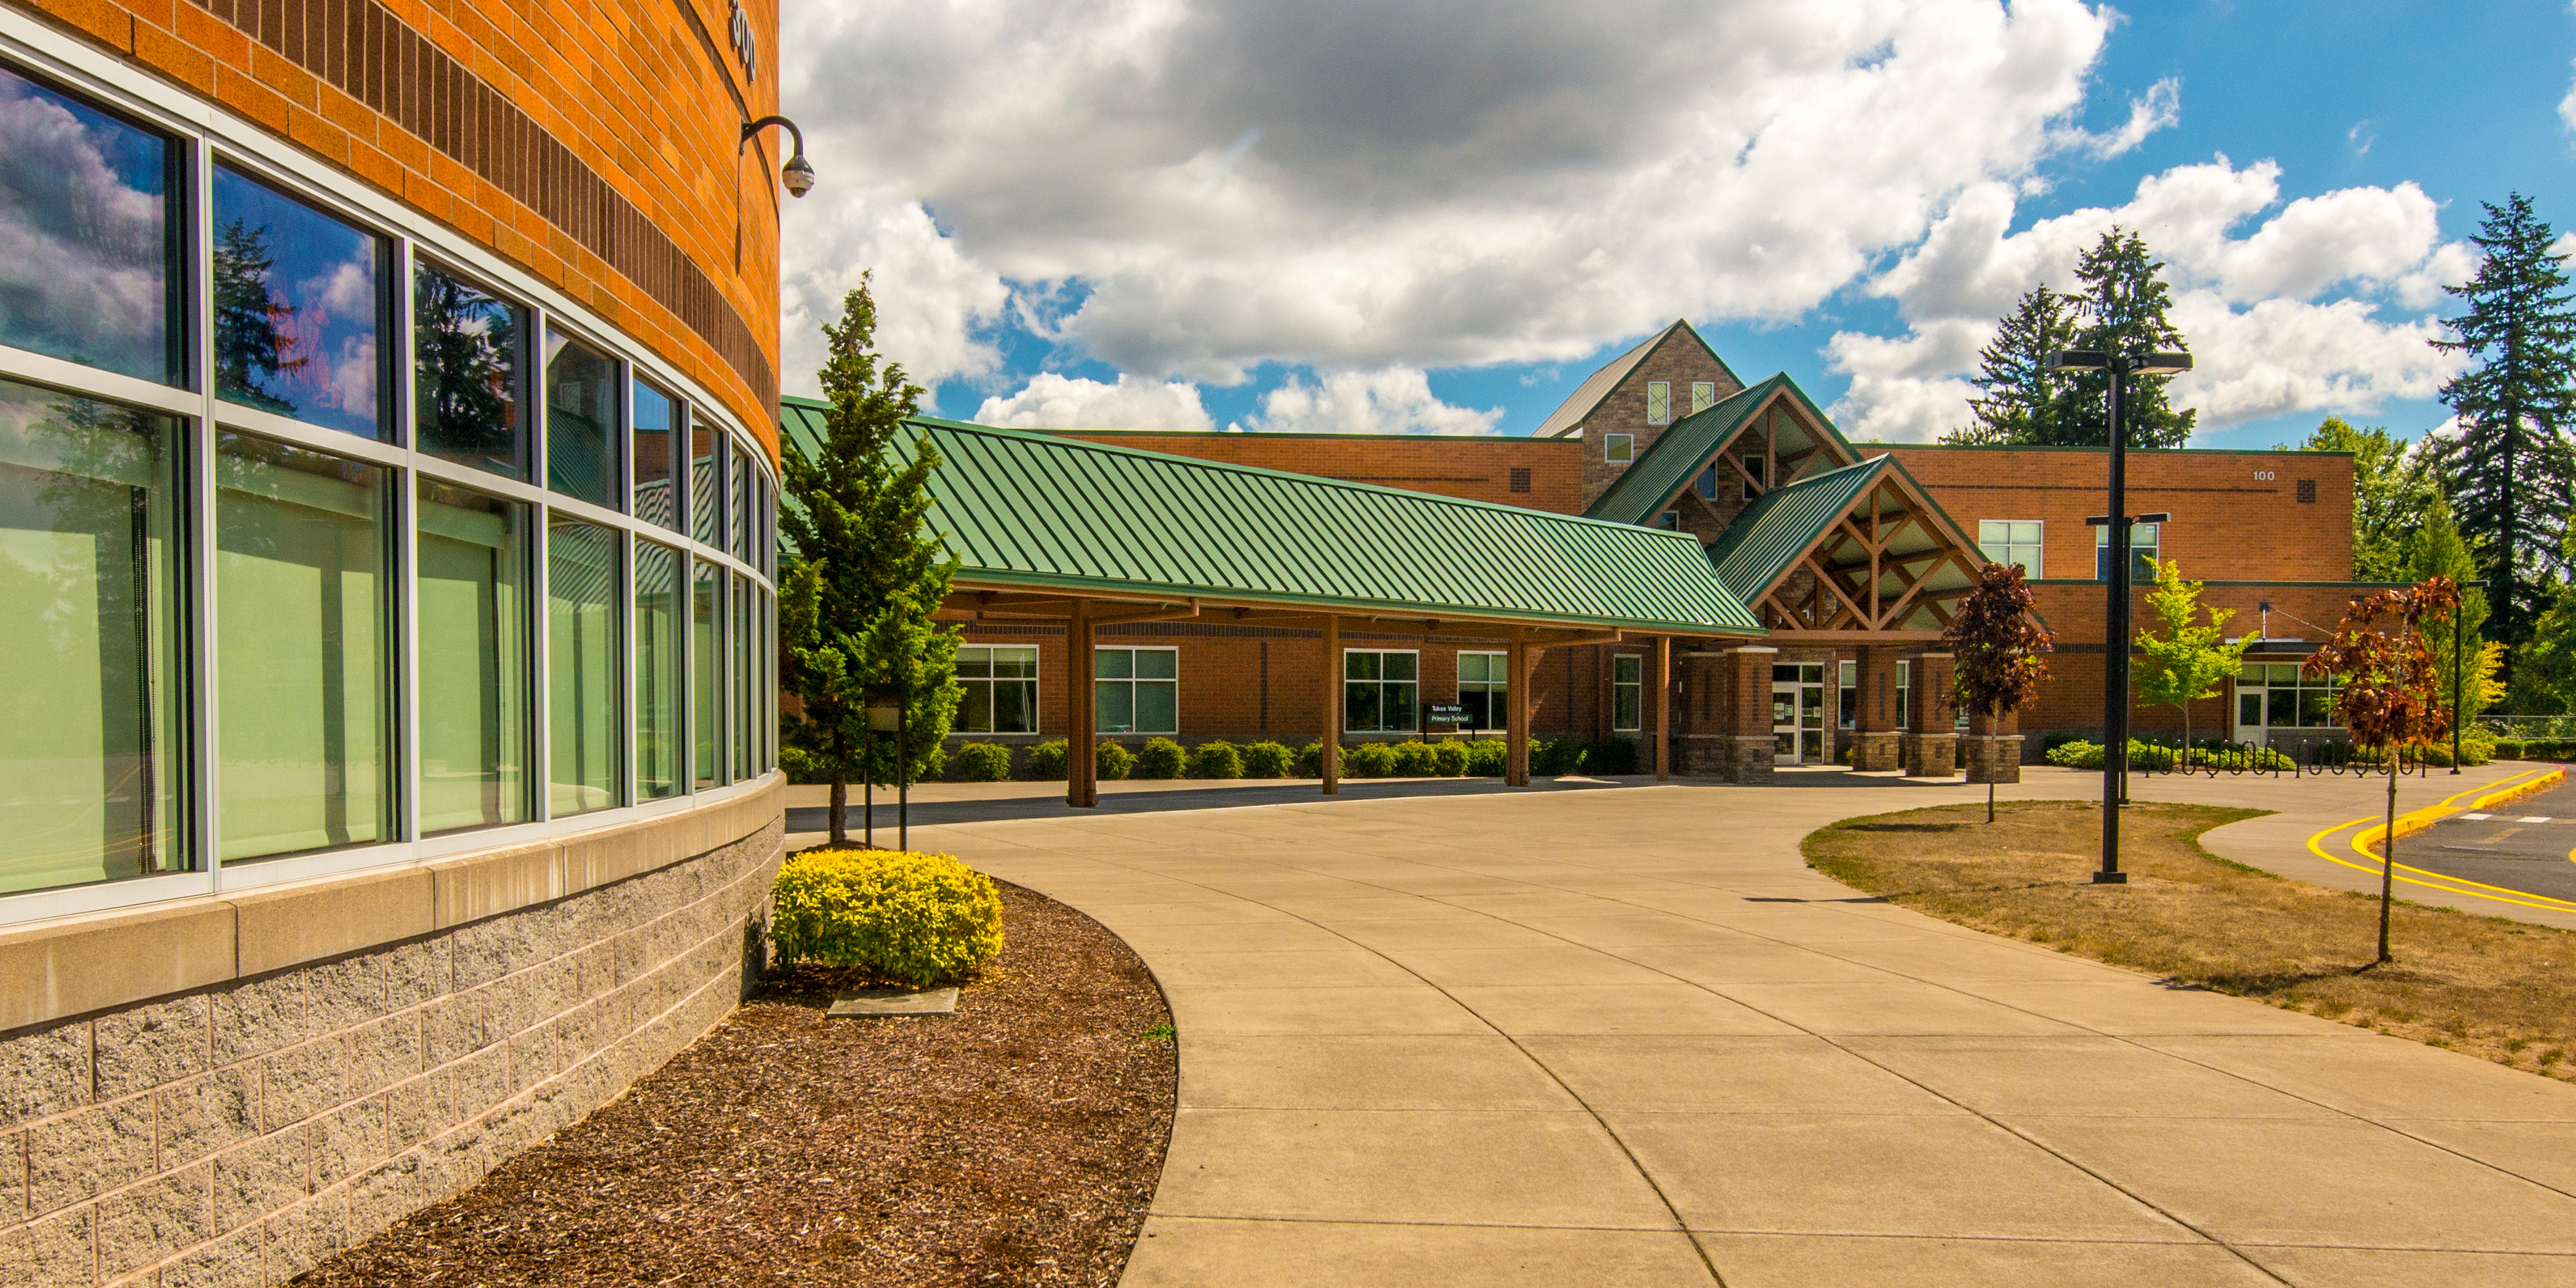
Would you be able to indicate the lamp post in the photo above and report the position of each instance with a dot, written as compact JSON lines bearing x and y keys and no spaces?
{"x":2459,"y":671}
{"x":885,"y":715}
{"x":2122,"y":367}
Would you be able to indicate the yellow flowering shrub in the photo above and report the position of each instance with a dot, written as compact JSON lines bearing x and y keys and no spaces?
{"x":916,"y":919}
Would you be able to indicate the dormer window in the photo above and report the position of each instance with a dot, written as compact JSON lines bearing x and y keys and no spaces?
{"x":1618,"y":449}
{"x":1659,"y":403}
{"x":1703,"y":396}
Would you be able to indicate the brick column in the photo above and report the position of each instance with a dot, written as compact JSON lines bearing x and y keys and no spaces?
{"x":1749,"y":745}
{"x":1932,"y":749}
{"x":1704,"y":690}
{"x":1994,"y":748}
{"x":1875,"y":743}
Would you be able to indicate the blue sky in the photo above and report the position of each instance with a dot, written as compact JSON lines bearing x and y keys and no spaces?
{"x":1101,"y":246}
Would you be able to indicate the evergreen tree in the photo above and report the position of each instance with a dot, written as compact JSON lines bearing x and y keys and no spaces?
{"x":2123,"y":304}
{"x":2510,"y":470}
{"x":865,"y":574}
{"x":2392,"y":491}
{"x":251,"y":344}
{"x":2016,"y":401}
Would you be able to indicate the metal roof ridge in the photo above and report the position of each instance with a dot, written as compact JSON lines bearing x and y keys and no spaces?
{"x":1229,"y":467}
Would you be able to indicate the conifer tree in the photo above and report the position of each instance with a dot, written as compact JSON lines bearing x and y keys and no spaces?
{"x":2510,"y":470}
{"x":2124,"y":304}
{"x":865,"y":573}
{"x":2016,"y":400}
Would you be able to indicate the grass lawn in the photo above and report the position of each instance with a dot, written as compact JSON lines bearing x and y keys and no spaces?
{"x":2483,"y":985}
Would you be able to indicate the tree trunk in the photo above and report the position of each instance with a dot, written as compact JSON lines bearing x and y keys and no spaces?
{"x":840,"y":790}
{"x":2388,"y":859}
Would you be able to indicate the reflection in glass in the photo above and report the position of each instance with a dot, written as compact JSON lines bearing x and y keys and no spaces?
{"x":706,"y":694}
{"x":90,"y":627}
{"x":740,"y":511}
{"x":467,"y":351}
{"x":585,"y":736}
{"x":581,"y":421}
{"x":706,"y":480}
{"x":297,"y":309}
{"x":742,"y":672}
{"x":87,"y":238}
{"x":304,"y":697}
{"x":657,"y":419}
{"x":475,"y":701}
{"x":658,"y":616}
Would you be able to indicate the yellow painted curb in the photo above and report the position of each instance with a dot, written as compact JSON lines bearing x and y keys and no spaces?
{"x":2435,"y":881}
{"x":2413,"y":821}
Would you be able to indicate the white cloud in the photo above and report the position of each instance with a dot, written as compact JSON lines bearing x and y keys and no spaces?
{"x":1397,"y":400}
{"x":1218,"y":184}
{"x":2159,"y":108}
{"x":80,"y":254}
{"x":2247,"y":300}
{"x":1052,"y":401}
{"x":2567,"y":109}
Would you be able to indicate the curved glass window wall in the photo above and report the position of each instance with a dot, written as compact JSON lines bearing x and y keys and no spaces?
{"x":322,"y":548}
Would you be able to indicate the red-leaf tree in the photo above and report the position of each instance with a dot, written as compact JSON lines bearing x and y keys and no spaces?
{"x":1997,"y":641}
{"x":2392,"y":694}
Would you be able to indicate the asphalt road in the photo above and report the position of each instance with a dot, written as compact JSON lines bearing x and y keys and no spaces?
{"x":2523,"y":845}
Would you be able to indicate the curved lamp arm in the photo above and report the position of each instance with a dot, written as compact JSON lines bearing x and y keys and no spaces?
{"x":797,"y":175}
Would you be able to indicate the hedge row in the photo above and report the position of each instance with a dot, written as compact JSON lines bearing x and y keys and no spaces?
{"x":1162,"y":758}
{"x":2535,"y":748}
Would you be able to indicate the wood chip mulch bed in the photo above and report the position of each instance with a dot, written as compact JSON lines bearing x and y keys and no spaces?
{"x":1015,"y":1142}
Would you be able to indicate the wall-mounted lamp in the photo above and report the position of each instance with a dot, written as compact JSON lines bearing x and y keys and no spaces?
{"x":796,"y":175}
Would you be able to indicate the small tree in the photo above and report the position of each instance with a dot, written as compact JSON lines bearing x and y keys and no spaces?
{"x":2186,"y":663}
{"x":1996,"y":643}
{"x":2437,"y":549}
{"x":865,"y":574}
{"x":2391,"y":697}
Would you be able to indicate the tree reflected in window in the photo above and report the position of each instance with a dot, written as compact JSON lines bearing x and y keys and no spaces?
{"x":468,"y":353}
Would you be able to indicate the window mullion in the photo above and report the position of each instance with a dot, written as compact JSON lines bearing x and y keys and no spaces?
{"x":202,"y":608}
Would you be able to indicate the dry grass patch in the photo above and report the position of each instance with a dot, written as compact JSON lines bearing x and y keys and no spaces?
{"x":2483,"y":985}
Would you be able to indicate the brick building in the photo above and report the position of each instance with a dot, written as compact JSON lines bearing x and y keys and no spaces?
{"x":1849,"y":554}
{"x":387,"y":482}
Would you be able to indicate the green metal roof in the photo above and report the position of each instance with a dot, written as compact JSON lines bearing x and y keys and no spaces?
{"x":1767,"y":538}
{"x":1667,"y":467}
{"x":1039,"y":511}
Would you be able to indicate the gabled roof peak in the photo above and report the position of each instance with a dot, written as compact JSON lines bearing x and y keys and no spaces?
{"x":1579,"y":405}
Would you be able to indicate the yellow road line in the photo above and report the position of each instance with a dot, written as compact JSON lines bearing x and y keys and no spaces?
{"x":2534,"y":780}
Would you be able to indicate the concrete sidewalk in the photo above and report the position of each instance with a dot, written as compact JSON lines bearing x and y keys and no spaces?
{"x":1626,"y":1037}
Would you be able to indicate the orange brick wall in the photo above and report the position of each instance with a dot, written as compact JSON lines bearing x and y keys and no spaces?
{"x":619,"y":118}
{"x":1477,"y":468}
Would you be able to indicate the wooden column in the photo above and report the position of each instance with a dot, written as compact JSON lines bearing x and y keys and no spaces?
{"x":1332,"y":669}
{"x":1516,"y":712}
{"x":1663,"y":692}
{"x":1081,"y":763}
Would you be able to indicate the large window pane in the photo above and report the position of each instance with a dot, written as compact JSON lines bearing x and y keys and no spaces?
{"x":470,"y":357}
{"x":706,"y":481}
{"x":91,"y":721}
{"x":706,"y":702}
{"x":88,"y":237}
{"x":658,"y":614}
{"x":657,"y":422}
{"x":581,"y":421}
{"x":298,"y":309}
{"x":476,"y":705}
{"x":742,"y":673}
{"x":584,"y":734}
{"x":304,"y":702}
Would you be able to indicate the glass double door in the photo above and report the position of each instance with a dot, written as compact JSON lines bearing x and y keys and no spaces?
{"x":1798,"y":725}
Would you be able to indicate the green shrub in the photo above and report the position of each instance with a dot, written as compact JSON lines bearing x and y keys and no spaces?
{"x":1557,"y":757}
{"x":1310,"y":760}
{"x":1267,"y":759}
{"x":981,"y":762}
{"x":916,"y":919}
{"x":1047,"y":761}
{"x":1368,"y":760}
{"x":1413,"y":760}
{"x":1161,"y":758}
{"x":1111,"y":761}
{"x":801,"y":766}
{"x":1449,"y":759}
{"x":1485,"y":758}
{"x":2088,"y":755}
{"x":1216,"y":760}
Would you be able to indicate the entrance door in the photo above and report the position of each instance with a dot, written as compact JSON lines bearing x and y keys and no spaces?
{"x":1798,"y":715}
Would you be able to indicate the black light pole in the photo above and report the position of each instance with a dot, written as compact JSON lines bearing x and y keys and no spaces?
{"x":2459,"y":672}
{"x":2115,"y":635}
{"x":885,"y":715}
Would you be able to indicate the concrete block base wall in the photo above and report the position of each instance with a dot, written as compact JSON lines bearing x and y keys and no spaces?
{"x":241,"y":1133}
{"x":1931,"y":755}
{"x":1994,"y":758}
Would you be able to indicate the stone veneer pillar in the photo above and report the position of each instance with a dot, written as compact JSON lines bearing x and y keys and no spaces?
{"x":1932,"y":749}
{"x":1994,"y":748}
{"x":1749,"y":744}
{"x":1876,"y":741}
